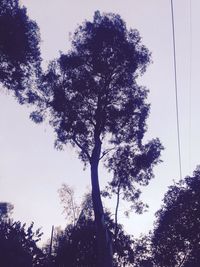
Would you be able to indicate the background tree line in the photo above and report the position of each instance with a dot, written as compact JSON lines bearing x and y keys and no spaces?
{"x":174,"y":240}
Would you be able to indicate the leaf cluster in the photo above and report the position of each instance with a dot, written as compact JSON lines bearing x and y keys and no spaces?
{"x":19,"y":50}
{"x":178,"y":225}
{"x":18,"y":245}
{"x":131,"y":166}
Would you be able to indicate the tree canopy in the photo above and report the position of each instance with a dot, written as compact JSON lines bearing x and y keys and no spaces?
{"x":19,"y":50}
{"x":92,"y":91}
{"x":176,"y":239}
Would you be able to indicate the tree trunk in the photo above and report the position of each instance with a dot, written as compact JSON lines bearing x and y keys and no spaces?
{"x":104,"y":247}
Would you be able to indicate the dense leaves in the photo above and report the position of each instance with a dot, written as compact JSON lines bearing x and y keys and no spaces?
{"x":143,"y":252}
{"x":19,"y":50}
{"x":18,"y":245}
{"x":92,"y":92}
{"x":176,"y":240}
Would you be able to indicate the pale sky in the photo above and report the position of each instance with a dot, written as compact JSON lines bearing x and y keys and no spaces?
{"x":31,"y":170}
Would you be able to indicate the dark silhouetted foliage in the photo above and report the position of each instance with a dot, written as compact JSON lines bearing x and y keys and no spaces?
{"x":143,"y":252}
{"x":19,"y":50}
{"x":18,"y":245}
{"x":176,"y":240}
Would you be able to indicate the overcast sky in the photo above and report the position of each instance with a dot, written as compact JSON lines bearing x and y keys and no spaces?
{"x":31,"y":170}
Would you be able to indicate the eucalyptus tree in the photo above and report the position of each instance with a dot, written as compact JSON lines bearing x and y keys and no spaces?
{"x":92,"y":100}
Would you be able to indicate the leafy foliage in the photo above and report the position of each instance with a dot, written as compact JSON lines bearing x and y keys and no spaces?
{"x":19,"y":50}
{"x":143,"y":251}
{"x":176,"y":240}
{"x":132,"y":166}
{"x":91,"y":91}
{"x":18,"y":245}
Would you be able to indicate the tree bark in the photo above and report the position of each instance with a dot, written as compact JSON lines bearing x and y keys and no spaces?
{"x":104,"y":245}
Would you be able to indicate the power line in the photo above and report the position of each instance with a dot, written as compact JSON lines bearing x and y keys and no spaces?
{"x":176,"y":90}
{"x":190,"y":82}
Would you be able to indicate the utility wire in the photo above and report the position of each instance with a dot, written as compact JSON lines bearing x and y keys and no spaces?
{"x":176,"y":90}
{"x":190,"y":82}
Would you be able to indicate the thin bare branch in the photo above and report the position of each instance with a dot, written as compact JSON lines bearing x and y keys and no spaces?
{"x":105,"y":152}
{"x":82,"y":148}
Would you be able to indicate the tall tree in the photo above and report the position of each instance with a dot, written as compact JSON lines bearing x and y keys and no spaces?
{"x":176,"y":239}
{"x":93,"y":102}
{"x":19,"y":50}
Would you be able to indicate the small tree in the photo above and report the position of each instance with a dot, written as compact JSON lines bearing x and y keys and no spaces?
{"x":71,"y":209}
{"x":132,"y":167}
{"x":19,"y":50}
{"x":95,"y":104}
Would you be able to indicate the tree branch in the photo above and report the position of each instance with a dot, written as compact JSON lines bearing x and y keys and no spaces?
{"x":81,"y":148}
{"x":104,"y":153}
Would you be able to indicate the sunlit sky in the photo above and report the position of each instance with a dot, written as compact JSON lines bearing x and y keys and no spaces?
{"x":32,"y":171}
